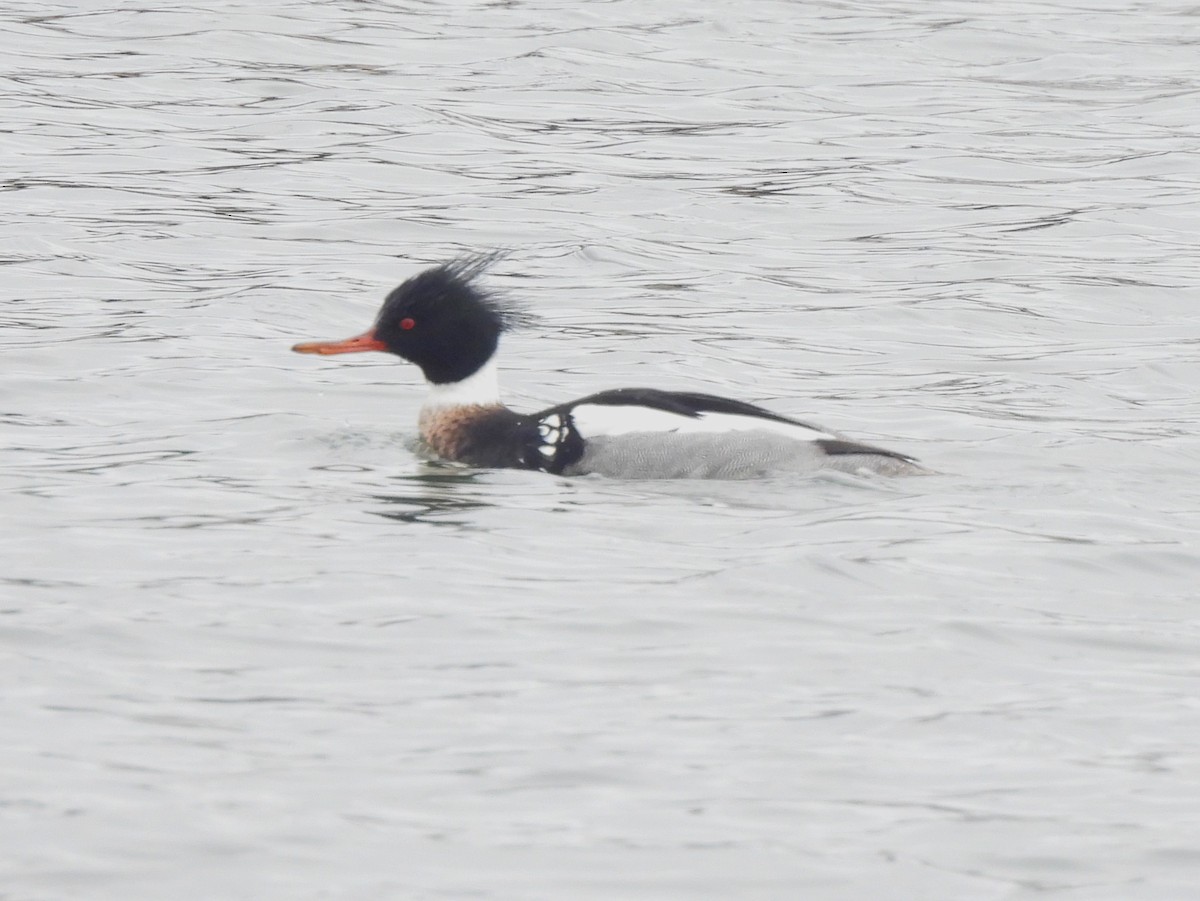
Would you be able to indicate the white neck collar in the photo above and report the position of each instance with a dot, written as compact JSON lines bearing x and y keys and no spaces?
{"x":481,"y":388}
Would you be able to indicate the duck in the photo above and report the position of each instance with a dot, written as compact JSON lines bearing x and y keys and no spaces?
{"x":449,"y":324}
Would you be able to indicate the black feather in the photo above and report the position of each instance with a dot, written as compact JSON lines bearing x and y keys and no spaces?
{"x":682,"y":403}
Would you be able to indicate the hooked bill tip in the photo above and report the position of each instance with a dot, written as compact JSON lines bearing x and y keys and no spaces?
{"x":311,"y":347}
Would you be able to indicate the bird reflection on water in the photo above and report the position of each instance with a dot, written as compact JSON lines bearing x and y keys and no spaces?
{"x":434,"y":496}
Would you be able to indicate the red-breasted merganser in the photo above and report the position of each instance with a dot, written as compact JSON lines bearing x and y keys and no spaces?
{"x":446,"y":323}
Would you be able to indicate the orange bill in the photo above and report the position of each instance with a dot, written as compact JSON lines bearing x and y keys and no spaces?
{"x":357,"y":344}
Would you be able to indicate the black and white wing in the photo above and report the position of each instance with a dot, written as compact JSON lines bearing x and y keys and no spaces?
{"x":648,"y":433}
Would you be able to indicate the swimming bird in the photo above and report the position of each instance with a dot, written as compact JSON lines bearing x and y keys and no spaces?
{"x":449,"y":324}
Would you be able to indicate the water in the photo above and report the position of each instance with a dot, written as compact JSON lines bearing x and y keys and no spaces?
{"x":253,"y":647}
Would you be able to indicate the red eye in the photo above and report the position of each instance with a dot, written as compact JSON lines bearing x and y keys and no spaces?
{"x":407,"y":323}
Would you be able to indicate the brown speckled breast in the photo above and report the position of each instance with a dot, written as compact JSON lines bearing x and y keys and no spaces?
{"x":481,"y":435}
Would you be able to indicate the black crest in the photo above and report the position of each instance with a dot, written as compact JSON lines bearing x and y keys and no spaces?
{"x":445,"y":321}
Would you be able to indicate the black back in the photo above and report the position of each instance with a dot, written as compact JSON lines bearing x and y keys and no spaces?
{"x":683,"y":403}
{"x":686,"y":403}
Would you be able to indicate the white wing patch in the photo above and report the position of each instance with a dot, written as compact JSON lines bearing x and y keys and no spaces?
{"x":596,"y":420}
{"x":552,"y":431}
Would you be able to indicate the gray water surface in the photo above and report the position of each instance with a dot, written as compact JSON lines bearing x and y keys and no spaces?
{"x":252,"y":646}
